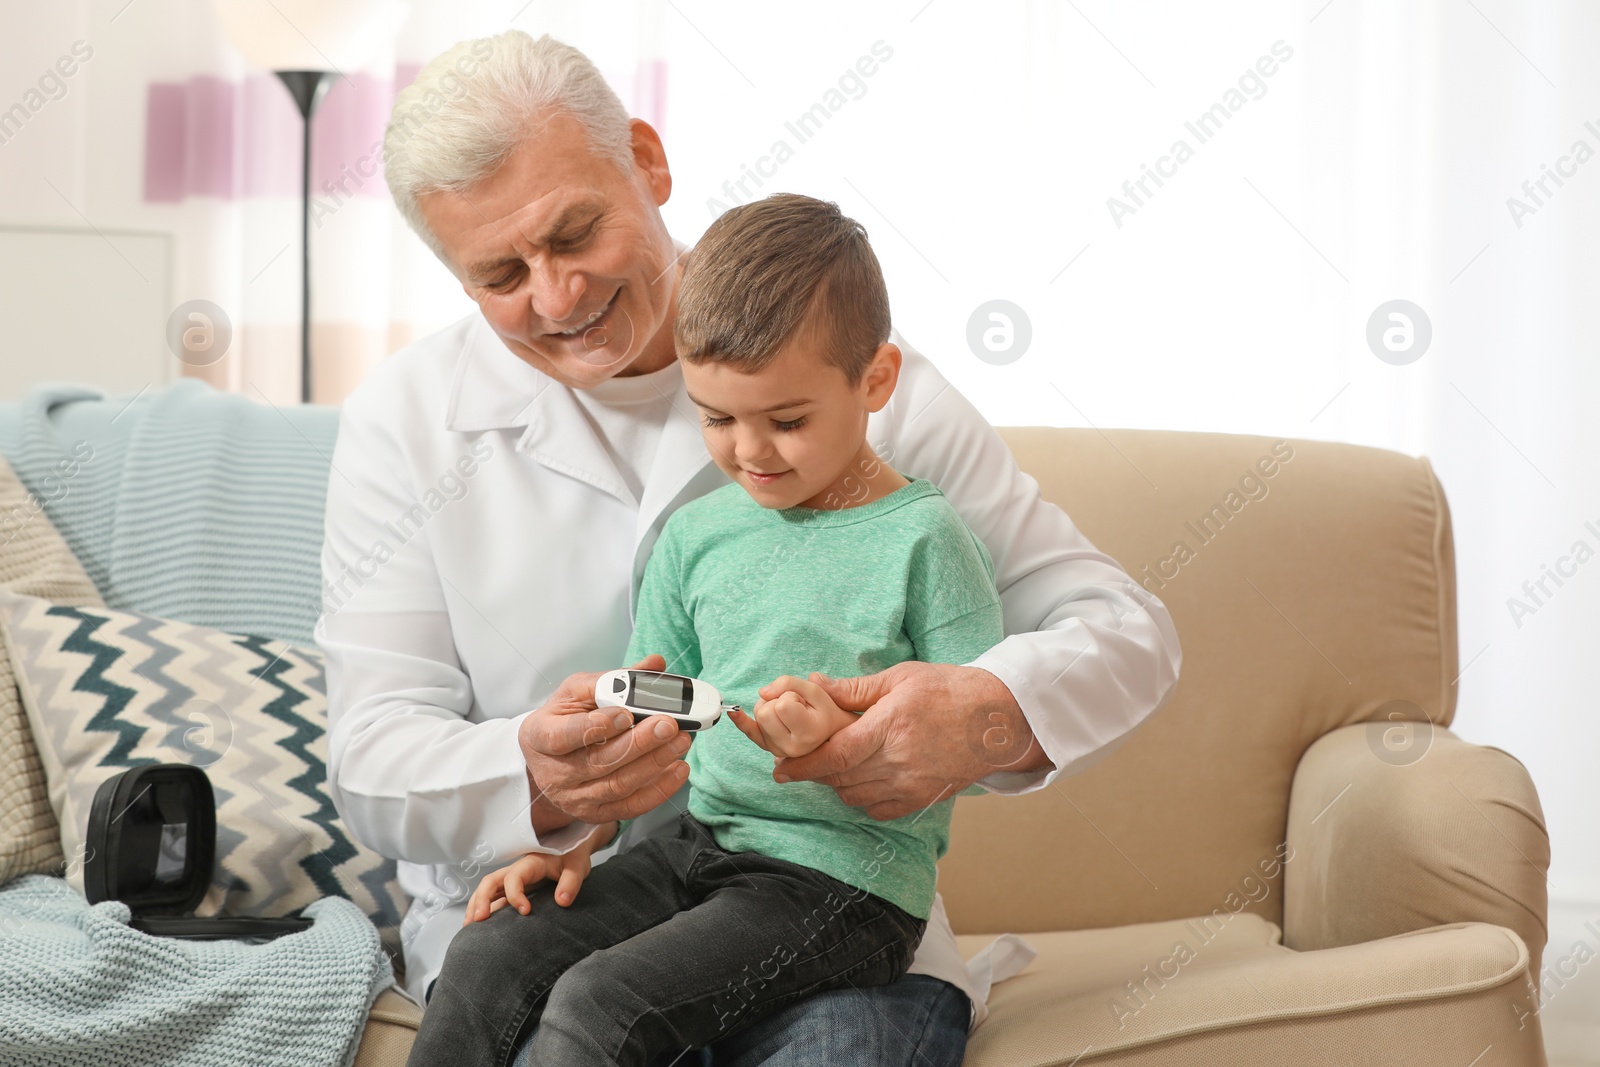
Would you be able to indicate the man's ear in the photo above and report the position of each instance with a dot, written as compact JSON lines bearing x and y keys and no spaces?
{"x":883,"y":373}
{"x":650,"y":160}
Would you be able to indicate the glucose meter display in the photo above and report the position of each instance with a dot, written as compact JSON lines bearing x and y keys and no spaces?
{"x":667,"y":693}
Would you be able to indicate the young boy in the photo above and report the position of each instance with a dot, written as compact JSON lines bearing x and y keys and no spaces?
{"x":819,"y":558}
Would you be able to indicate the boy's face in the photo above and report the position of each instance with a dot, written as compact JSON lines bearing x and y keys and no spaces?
{"x":792,"y":432}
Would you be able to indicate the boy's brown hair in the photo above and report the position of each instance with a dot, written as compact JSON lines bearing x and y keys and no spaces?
{"x":766,"y":270}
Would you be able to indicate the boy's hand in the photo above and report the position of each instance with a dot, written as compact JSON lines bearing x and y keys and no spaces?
{"x":792,"y":718}
{"x":509,"y":884}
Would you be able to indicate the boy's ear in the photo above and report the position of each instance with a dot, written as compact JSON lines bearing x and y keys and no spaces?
{"x":883,"y":373}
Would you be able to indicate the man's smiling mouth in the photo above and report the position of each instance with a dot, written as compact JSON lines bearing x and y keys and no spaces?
{"x":590,"y":321}
{"x":602,"y":339}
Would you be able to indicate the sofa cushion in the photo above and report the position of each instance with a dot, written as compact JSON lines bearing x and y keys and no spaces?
{"x":106,"y":690}
{"x":34,"y":561}
{"x":1224,"y":990}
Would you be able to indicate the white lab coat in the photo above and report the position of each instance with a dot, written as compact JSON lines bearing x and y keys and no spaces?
{"x":481,"y":546}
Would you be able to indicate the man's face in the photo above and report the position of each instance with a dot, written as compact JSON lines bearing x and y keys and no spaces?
{"x":793,"y":432}
{"x":566,"y":255}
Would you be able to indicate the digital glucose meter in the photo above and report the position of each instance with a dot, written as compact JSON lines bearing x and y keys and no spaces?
{"x":696,"y":705}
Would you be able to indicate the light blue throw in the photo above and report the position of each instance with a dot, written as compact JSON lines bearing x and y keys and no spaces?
{"x":78,"y":986}
{"x":193,"y":504}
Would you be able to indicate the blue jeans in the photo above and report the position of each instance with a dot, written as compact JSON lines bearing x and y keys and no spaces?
{"x":675,"y":944}
{"x":915,"y":1021}
{"x":918,"y":1021}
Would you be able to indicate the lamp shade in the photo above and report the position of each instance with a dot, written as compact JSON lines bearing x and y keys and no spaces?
{"x":311,"y":34}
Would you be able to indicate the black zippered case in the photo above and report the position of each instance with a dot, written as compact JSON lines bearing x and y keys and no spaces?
{"x":152,"y":844}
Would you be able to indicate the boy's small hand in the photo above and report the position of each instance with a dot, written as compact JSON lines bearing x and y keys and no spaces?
{"x":792,"y":718}
{"x":509,"y":884}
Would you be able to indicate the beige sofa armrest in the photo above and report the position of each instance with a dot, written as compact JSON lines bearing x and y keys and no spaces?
{"x":391,"y":1028}
{"x":1392,"y":838}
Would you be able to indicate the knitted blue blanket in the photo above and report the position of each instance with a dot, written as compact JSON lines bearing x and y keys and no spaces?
{"x":78,"y":986}
{"x":186,"y":503}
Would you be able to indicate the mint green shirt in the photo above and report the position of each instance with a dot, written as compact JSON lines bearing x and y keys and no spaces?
{"x":737,"y":594}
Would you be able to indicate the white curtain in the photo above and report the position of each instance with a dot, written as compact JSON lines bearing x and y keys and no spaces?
{"x":1341,"y":154}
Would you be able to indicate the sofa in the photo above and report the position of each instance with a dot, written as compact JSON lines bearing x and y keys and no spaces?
{"x":1293,"y":861}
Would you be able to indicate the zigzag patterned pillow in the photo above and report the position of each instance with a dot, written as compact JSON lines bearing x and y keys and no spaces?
{"x":106,"y":690}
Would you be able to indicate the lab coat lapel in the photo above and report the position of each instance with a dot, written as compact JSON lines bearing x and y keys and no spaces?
{"x":680,"y":456}
{"x":561,"y":437}
{"x":493,"y":389}
{"x":682,"y":470}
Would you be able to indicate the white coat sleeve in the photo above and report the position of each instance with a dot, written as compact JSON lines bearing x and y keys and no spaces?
{"x":1089,"y":653}
{"x":409,"y":773}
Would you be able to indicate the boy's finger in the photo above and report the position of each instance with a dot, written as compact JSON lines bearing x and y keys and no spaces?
{"x":812,"y":693}
{"x":842,"y":752}
{"x":780,"y":714}
{"x":779,"y":686}
{"x":487,"y":890}
{"x":514,"y":892}
{"x":567,"y":885}
{"x":770,"y":720}
{"x":748,"y":727}
{"x":795,"y":714}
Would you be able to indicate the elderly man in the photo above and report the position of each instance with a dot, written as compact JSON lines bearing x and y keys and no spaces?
{"x":498,"y":488}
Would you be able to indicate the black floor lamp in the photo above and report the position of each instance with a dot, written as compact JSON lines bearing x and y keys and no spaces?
{"x":307,"y":44}
{"x":308,"y":87}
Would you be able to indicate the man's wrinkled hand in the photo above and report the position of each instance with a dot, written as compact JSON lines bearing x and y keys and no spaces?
{"x":592,"y":764}
{"x":926,"y":732}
